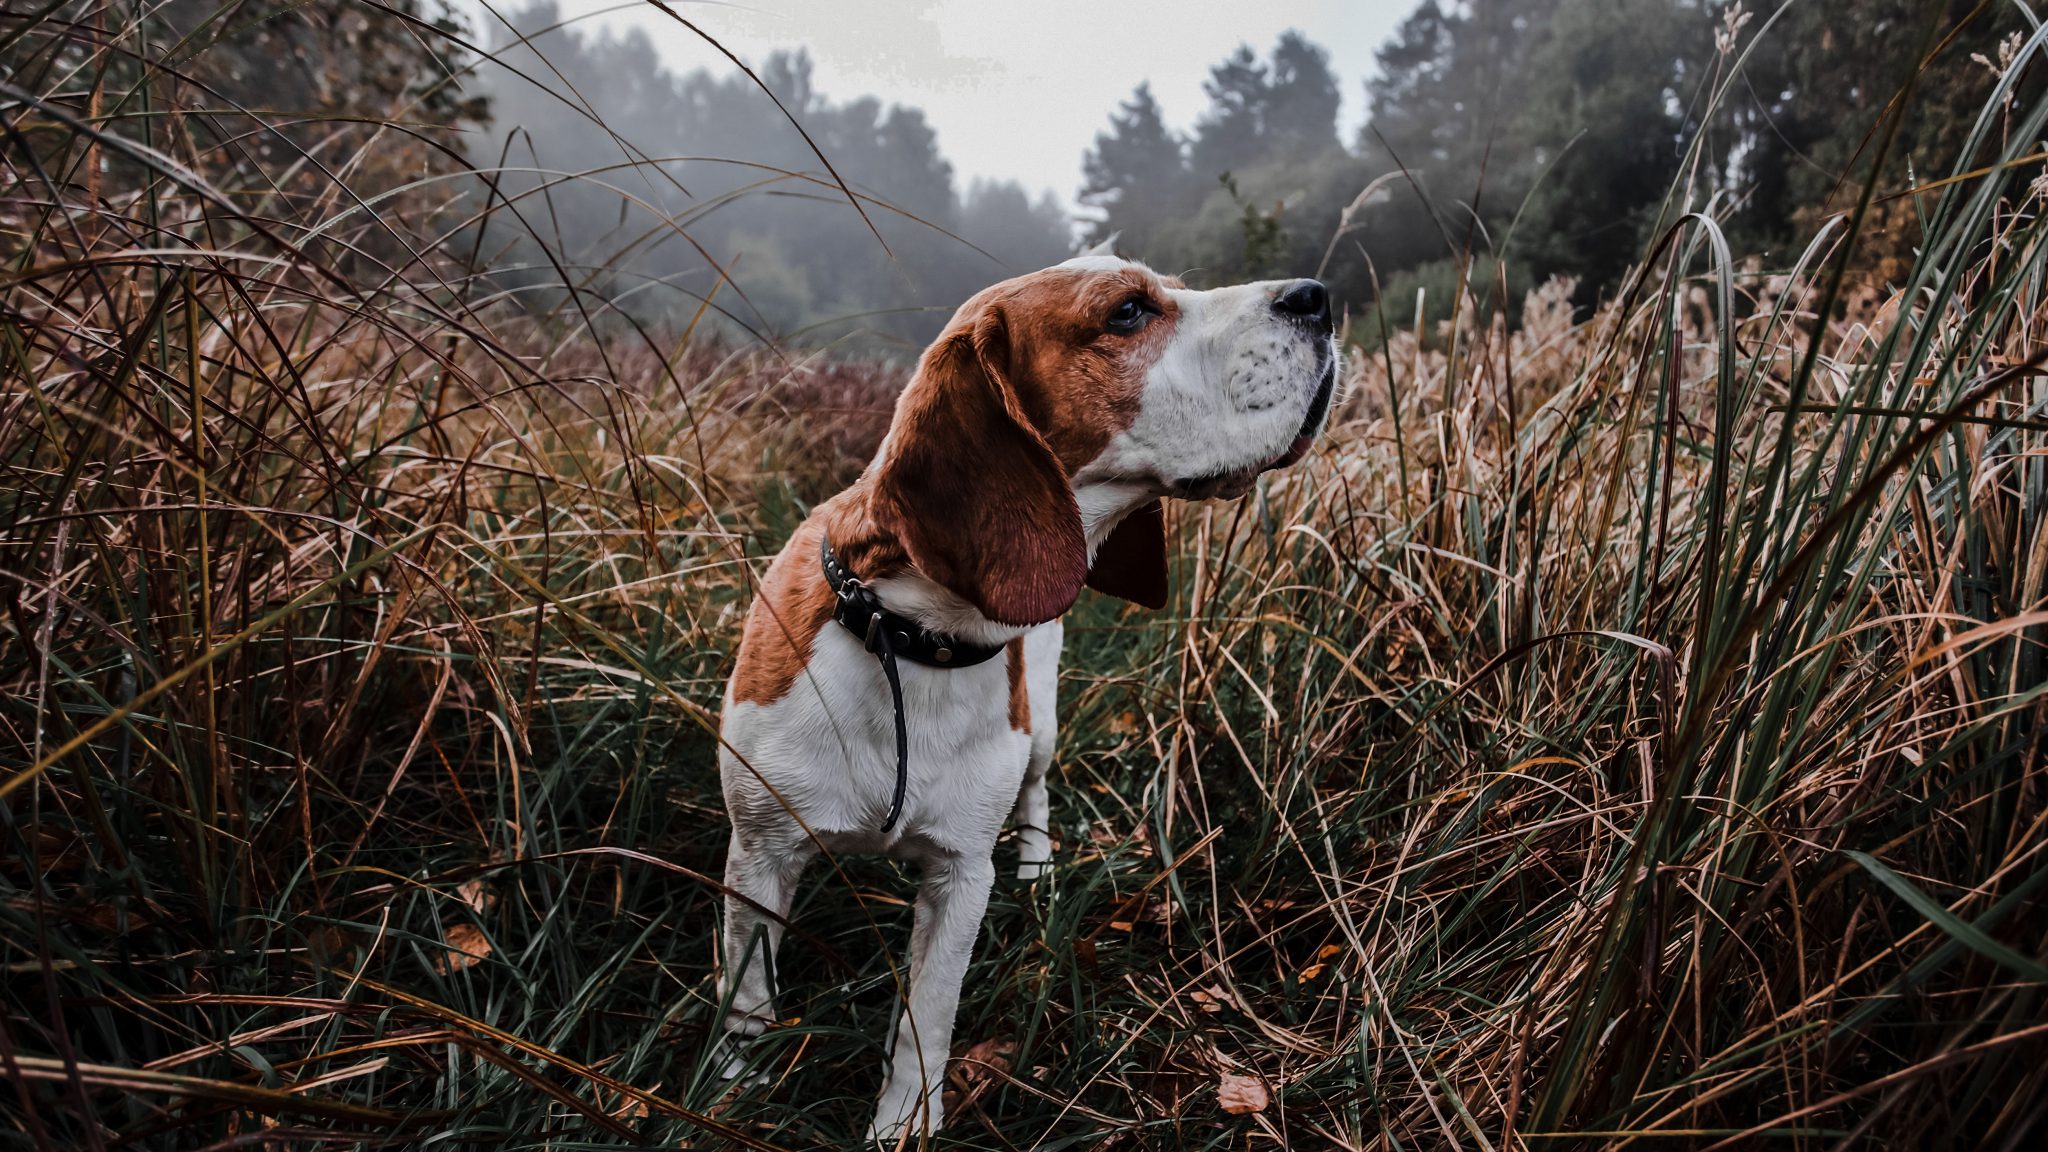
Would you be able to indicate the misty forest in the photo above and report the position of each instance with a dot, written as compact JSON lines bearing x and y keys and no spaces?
{"x":1547,"y":133}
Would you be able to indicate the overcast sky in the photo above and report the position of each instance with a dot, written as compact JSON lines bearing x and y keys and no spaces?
{"x":1016,"y":89}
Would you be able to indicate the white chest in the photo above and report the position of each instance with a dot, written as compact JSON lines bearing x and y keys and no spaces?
{"x":828,"y":750}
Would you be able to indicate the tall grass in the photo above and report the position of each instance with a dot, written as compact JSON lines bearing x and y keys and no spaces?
{"x":1622,"y":730}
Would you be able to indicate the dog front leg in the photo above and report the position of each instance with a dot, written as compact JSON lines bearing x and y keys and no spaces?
{"x":765,"y":876}
{"x":1033,"y":814}
{"x":950,"y":903}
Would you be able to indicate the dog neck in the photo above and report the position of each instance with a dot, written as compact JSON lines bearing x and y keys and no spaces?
{"x":883,"y":563}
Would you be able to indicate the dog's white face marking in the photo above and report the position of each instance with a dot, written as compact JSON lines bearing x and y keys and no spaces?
{"x":1240,"y":387}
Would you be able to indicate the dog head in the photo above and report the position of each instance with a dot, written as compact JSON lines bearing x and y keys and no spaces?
{"x":1057,"y":408}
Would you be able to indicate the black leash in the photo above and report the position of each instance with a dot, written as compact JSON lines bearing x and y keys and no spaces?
{"x":887,"y":655}
{"x":889,"y":636}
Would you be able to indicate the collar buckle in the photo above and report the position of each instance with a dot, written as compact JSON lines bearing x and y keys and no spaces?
{"x":860,"y":611}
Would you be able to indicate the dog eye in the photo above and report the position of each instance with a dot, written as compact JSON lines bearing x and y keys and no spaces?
{"x":1129,"y":316}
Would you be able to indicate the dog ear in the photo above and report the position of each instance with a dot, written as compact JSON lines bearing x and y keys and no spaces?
{"x":972,"y":489}
{"x":1131,"y":563}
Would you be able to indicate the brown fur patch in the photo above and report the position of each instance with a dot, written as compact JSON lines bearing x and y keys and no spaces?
{"x":1080,"y":383}
{"x":1020,"y":694}
{"x":792,"y":604}
{"x":973,"y":490}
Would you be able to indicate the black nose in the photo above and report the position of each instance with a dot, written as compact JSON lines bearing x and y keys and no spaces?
{"x":1305,"y":300}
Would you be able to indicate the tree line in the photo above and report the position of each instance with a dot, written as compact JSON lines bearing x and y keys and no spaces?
{"x":581,"y":175}
{"x":1506,"y":142}
{"x":1509,"y":141}
{"x":671,"y":194}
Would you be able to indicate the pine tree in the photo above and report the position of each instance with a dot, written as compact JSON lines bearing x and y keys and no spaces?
{"x":1228,"y":135}
{"x":1301,"y":103}
{"x":1411,"y":104}
{"x":1136,"y":174}
{"x":1617,"y":85}
{"x":297,"y":69}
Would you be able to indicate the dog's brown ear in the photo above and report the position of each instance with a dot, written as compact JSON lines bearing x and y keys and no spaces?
{"x":971,"y":488}
{"x":1131,"y":563}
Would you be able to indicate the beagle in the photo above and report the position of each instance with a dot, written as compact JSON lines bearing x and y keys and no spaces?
{"x":895,"y":679}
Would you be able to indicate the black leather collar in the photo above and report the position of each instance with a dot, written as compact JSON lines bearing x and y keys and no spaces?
{"x":856,"y":606}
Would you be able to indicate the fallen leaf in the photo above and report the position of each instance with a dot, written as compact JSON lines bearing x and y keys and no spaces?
{"x":1155,"y":910}
{"x":467,"y":948}
{"x":327,"y":942}
{"x":1323,"y":955}
{"x":473,"y":893}
{"x":1241,"y":1095}
{"x":974,"y":1072}
{"x":984,"y":1061}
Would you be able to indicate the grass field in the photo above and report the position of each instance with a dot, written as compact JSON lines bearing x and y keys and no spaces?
{"x":1622,"y":731}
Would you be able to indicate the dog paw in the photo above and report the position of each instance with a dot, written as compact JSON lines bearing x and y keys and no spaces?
{"x":1032,"y":869}
{"x":901,"y":1135}
{"x":902,"y":1117}
{"x":891,"y":1134}
{"x":731,"y":1063}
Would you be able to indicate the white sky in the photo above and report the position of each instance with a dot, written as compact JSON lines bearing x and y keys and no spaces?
{"x":1015,"y":90}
